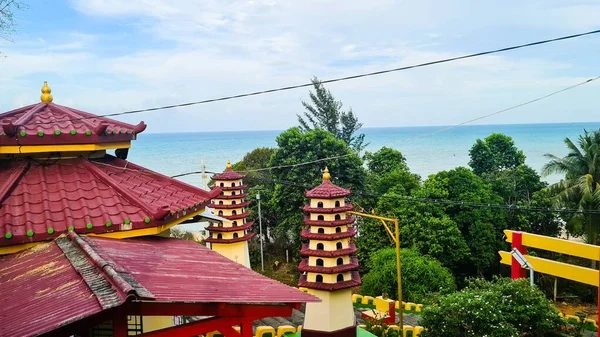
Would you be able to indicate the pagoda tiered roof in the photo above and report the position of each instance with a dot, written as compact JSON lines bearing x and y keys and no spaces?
{"x":213,"y":228}
{"x":246,"y":237}
{"x":231,"y":188}
{"x":236,"y":217}
{"x":230,"y":197}
{"x":347,"y":207}
{"x":306,"y":251}
{"x":307,"y":234}
{"x":353,"y":282}
{"x":305,"y":267}
{"x":229,"y":206}
{"x":329,"y":223}
{"x":327,"y":190}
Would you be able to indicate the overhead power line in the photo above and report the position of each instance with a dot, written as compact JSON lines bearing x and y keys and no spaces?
{"x":338,"y":79}
{"x":415,"y":137}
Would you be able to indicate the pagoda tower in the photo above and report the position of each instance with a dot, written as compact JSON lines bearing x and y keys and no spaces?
{"x":230,"y":238}
{"x":329,"y":269}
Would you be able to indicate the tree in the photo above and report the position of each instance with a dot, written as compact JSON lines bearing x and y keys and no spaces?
{"x":7,"y":17}
{"x":496,"y":153}
{"x":326,"y":113}
{"x":296,"y":147}
{"x":580,"y":186}
{"x":422,"y":276}
{"x":500,"y":308}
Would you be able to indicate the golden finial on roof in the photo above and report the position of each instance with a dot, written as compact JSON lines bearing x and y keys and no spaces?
{"x":46,"y":96}
{"x":326,"y":175}
{"x":228,"y":165}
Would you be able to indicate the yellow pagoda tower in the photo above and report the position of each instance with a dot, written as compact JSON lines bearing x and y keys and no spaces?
{"x":230,"y":238}
{"x":328,"y":267}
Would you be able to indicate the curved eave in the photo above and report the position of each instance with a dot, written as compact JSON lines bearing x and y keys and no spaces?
{"x":320,"y":210}
{"x":236,"y":217}
{"x":247,"y":225}
{"x":240,"y":239}
{"x":304,"y":267}
{"x":306,"y":234}
{"x":236,"y":206}
{"x":305,"y":251}
{"x":354,"y":282}
{"x":325,"y":223}
{"x":229,"y":197}
{"x":230,"y":188}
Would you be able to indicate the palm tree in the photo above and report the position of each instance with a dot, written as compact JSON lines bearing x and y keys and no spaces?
{"x":580,"y":187}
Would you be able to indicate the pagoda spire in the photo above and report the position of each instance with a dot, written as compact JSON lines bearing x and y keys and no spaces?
{"x":230,"y":237}
{"x":330,"y":270}
{"x":46,"y":94}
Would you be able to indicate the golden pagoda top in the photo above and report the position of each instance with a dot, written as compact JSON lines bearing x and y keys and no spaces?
{"x":46,"y":96}
{"x":326,"y":175}
{"x":228,"y":167}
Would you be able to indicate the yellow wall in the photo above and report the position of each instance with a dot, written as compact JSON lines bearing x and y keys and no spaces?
{"x":328,"y":230}
{"x":228,"y":212}
{"x":228,"y":201}
{"x":227,"y":235}
{"x":237,"y":252}
{"x":327,"y":261}
{"x":152,"y":323}
{"x":335,"y":312}
{"x":227,"y":183}
{"x":327,"y":278}
{"x":329,"y":245}
{"x":327,"y":203}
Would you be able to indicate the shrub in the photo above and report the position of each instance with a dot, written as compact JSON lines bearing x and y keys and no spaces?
{"x":422,"y":276}
{"x":500,"y":308}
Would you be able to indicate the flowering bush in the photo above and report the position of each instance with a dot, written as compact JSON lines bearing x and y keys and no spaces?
{"x":501,"y":308}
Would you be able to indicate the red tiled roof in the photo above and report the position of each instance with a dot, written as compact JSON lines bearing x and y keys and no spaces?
{"x":49,"y":123}
{"x":229,"y":206}
{"x":240,"y":239}
{"x":228,"y":175}
{"x":345,"y":208}
{"x":213,"y":228}
{"x":39,"y":201}
{"x":349,"y":220}
{"x":355,"y":281}
{"x":304,"y":267}
{"x":56,"y":283}
{"x":306,"y":234}
{"x":305,"y":251}
{"x":327,"y":190}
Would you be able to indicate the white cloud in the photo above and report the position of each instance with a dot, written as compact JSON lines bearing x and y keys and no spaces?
{"x":191,"y":51}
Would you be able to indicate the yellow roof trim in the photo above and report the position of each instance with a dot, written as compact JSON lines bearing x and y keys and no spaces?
{"x":114,"y":235}
{"x":62,"y":148}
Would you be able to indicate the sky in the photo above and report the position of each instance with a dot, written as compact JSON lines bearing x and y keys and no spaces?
{"x":106,"y":56}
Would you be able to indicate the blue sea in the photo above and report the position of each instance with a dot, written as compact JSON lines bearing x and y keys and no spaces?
{"x":426,"y":149}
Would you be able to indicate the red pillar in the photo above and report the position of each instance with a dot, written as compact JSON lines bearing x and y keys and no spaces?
{"x":516,"y":270}
{"x":119,"y":324}
{"x":246,"y":329}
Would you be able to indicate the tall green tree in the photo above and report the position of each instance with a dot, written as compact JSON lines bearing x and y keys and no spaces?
{"x":8,"y":8}
{"x":580,"y":187}
{"x":496,"y":153}
{"x":295,"y":146}
{"x":325,"y":112}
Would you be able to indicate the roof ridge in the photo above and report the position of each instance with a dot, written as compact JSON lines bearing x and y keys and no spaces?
{"x":157,"y":214}
{"x":9,"y":185}
{"x":72,"y":115}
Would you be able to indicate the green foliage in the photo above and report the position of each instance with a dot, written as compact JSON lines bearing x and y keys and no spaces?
{"x":380,"y":329}
{"x":294,"y":147}
{"x":496,"y":153}
{"x":580,"y":188}
{"x":500,"y":308}
{"x":422,"y":276}
{"x":326,"y":113}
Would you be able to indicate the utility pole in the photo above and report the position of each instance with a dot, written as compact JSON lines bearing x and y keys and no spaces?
{"x":262,"y":261}
{"x":204,"y":176}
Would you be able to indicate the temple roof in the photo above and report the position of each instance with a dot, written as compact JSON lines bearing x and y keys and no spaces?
{"x":53,"y":124}
{"x":327,"y":190}
{"x":74,"y":277}
{"x":228,"y":174}
{"x":41,"y":200}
